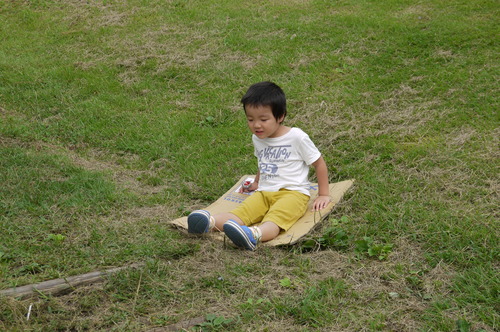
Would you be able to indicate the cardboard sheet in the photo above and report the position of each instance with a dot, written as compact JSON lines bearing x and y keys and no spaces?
{"x":232,"y":198}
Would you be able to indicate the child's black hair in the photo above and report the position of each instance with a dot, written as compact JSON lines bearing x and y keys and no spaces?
{"x":266,"y":94}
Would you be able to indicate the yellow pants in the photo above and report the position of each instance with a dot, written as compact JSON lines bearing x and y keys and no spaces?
{"x":282,"y":207}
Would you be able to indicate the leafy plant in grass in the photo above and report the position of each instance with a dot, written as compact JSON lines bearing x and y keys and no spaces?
{"x":56,"y":238}
{"x":286,"y":282}
{"x":367,"y":246}
{"x":214,"y":323}
{"x":334,"y":237}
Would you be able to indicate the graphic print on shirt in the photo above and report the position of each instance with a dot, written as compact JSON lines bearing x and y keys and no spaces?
{"x":269,"y":158}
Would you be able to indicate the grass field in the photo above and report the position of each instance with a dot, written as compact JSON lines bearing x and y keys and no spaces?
{"x":116,"y":117}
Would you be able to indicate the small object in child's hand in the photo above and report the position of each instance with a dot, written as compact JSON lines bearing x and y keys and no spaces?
{"x":246,"y":184}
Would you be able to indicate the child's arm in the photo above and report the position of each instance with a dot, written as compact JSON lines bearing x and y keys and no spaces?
{"x":323,"y":186}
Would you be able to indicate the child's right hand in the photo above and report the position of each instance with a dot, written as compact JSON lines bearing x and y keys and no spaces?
{"x":252,"y":187}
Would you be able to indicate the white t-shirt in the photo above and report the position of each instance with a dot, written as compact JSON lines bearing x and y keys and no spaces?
{"x":284,"y":161}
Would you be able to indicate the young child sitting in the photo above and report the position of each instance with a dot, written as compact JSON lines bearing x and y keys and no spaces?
{"x":281,"y":186}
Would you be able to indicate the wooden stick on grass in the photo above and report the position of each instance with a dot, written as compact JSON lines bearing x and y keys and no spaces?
{"x":57,"y":286}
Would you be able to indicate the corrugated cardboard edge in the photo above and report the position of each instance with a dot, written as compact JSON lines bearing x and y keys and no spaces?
{"x":304,"y":225}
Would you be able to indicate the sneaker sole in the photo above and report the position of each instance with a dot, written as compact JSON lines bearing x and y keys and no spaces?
{"x":198,"y":222}
{"x":238,"y":236}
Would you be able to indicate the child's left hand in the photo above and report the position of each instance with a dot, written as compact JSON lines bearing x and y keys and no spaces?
{"x":321,"y":202}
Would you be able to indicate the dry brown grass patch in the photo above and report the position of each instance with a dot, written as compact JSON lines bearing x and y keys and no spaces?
{"x":98,"y":14}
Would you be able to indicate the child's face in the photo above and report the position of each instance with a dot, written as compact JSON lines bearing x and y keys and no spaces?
{"x":261,"y":121}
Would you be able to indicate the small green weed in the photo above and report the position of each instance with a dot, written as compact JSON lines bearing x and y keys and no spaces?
{"x":334,"y":237}
{"x":366,"y":246}
{"x":56,"y":238}
{"x":214,"y":323}
{"x":257,"y":302}
{"x":163,"y":320}
{"x":208,"y":121}
{"x":286,"y":282}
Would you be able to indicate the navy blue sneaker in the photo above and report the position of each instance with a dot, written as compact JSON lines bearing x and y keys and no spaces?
{"x":198,"y":222}
{"x":241,"y":236}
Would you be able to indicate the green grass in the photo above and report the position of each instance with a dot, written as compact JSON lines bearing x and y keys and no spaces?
{"x":118,"y":117}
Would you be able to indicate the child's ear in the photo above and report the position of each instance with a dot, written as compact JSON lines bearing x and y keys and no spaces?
{"x":281,"y":119}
